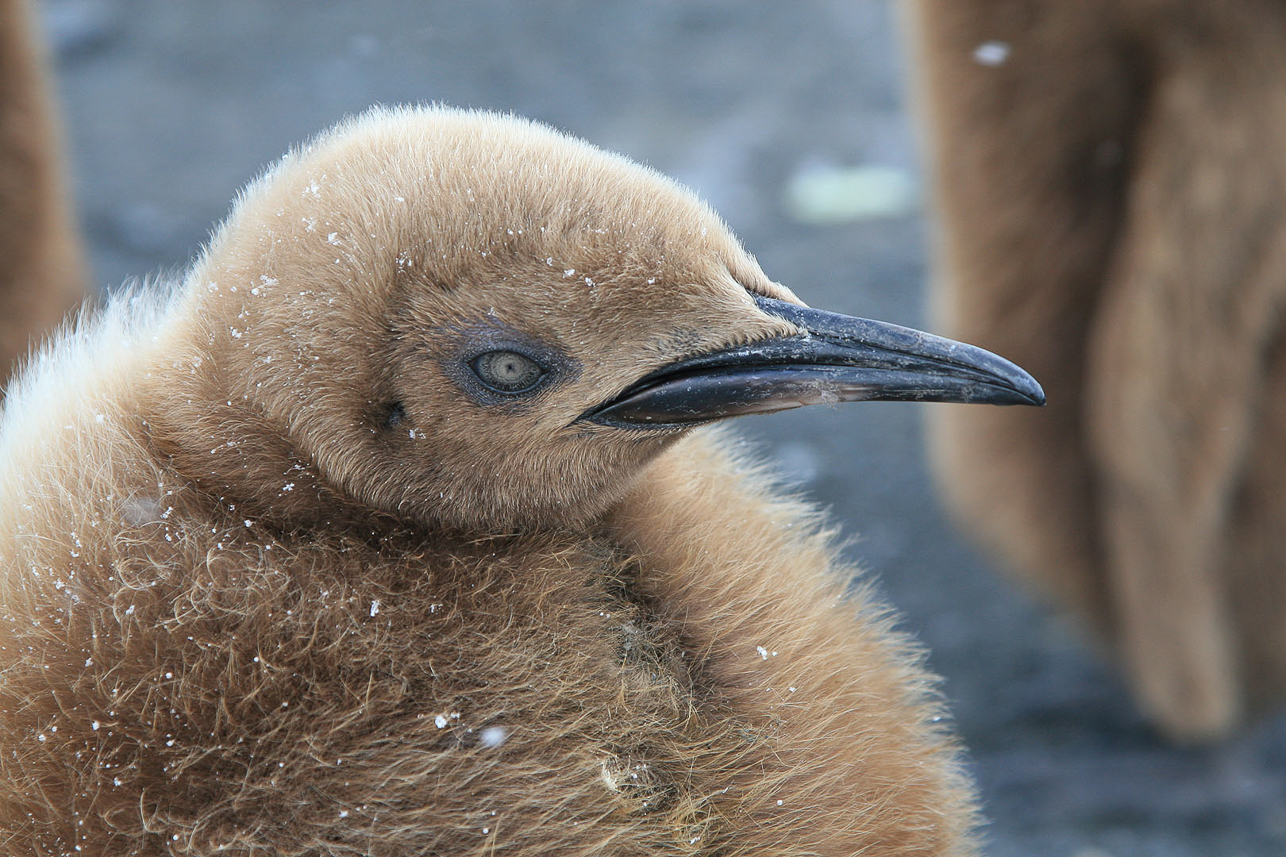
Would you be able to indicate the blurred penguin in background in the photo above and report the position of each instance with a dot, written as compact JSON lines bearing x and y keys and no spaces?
{"x":1111,"y":188}
{"x":42,"y":273}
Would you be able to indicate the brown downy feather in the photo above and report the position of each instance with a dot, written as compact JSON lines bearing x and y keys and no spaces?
{"x":1112,"y":194}
{"x":42,"y":274}
{"x":275,"y":584}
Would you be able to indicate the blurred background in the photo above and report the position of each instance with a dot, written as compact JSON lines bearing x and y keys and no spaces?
{"x":793,"y":121}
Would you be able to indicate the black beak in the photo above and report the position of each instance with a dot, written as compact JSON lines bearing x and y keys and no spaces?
{"x":835,"y":358}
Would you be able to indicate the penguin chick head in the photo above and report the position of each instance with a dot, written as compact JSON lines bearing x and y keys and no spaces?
{"x":466,"y":320}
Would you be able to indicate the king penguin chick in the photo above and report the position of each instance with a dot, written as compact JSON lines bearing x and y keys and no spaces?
{"x":389,"y":534}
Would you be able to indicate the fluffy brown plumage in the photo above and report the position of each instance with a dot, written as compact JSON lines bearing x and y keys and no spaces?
{"x":41,"y":271}
{"x":1112,"y":196}
{"x":280,"y":576}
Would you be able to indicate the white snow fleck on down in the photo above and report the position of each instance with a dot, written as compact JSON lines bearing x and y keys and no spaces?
{"x":763,"y":653}
{"x":440,"y":722}
{"x":375,"y":607}
{"x":991,"y":53}
{"x":492,"y":736}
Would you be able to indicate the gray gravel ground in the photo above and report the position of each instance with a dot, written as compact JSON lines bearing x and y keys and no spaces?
{"x":171,"y":106}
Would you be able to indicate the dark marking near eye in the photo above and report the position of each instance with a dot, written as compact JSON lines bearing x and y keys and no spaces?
{"x":394,"y":414}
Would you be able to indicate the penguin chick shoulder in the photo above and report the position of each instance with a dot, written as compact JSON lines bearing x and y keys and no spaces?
{"x":389,"y":534}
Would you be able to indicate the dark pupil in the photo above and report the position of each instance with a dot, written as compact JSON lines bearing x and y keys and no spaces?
{"x":507,"y":371}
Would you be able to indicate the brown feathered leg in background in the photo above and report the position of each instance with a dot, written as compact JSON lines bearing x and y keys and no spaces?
{"x":41,"y":269}
{"x":1110,"y":185}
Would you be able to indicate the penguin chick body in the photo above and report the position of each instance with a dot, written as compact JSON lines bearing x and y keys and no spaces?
{"x":390,"y":533}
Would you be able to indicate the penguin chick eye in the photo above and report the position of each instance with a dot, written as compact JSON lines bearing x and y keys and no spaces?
{"x":507,"y":371}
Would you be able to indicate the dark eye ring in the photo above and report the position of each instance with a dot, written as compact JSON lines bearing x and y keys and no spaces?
{"x":507,"y":371}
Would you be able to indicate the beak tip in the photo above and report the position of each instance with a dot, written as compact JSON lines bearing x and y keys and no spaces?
{"x":1034,"y":392}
